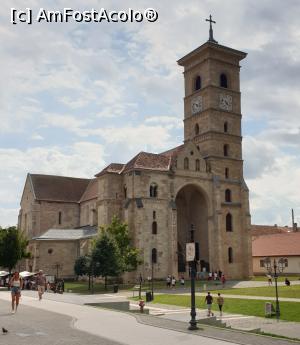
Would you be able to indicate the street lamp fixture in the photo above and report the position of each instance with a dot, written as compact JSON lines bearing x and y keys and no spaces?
{"x":275,"y":267}
{"x":191,"y":258}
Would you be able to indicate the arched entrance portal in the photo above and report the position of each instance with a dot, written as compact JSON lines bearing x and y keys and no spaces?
{"x":192,"y":225}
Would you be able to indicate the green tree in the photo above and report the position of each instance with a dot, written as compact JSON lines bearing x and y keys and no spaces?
{"x":129,"y":256}
{"x":13,"y":246}
{"x":83,"y":266}
{"x":105,"y":257}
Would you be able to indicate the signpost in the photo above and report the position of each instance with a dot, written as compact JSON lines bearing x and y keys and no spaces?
{"x":190,"y":257}
{"x":190,"y":252}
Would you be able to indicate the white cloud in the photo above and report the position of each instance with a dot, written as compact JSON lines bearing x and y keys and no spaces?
{"x":83,"y":159}
{"x":8,"y":216}
{"x":276,"y":192}
{"x":110,"y":83}
{"x":37,"y":137}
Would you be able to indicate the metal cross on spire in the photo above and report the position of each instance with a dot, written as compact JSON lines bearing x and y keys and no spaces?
{"x":211,"y":34}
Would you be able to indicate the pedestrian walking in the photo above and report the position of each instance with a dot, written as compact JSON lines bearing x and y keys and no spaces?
{"x":220,"y":302}
{"x":173,"y":282}
{"x":41,"y":284}
{"x":220,"y":274}
{"x":168,"y":281}
{"x":182,"y":281}
{"x":269,"y":279}
{"x":223,"y":280}
{"x":209,"y":301}
{"x":16,"y":285}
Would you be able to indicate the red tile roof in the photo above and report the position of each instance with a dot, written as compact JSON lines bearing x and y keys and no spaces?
{"x":114,"y":168}
{"x":174,"y":151}
{"x":146,"y":160}
{"x":91,"y":191}
{"x":285,"y":244}
{"x":58,"y":188}
{"x":257,"y":230}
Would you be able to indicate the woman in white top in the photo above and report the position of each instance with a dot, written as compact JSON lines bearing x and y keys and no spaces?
{"x":16,"y":284}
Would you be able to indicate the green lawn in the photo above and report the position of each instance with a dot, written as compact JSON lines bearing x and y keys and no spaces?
{"x":82,"y":287}
{"x":292,"y":291}
{"x":280,"y":279}
{"x":289,"y":311}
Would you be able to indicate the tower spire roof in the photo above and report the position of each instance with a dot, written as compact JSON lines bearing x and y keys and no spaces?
{"x":211,"y":34}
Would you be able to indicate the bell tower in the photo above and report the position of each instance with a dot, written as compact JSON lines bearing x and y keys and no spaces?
{"x":212,"y":122}
{"x":212,"y":105}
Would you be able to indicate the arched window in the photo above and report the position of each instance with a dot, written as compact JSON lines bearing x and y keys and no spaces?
{"x":154,"y":256}
{"x":154,"y":214}
{"x":197,"y":83}
{"x":230,"y":255}
{"x":225,"y":127}
{"x":226,"y":172}
{"x":125,"y":192}
{"x":197,"y":165}
{"x":186,"y":163}
{"x":226,"y":150}
{"x":223,"y":80}
{"x":228,"y":222}
{"x":154,"y":228}
{"x":196,"y":129}
{"x":228,"y":195}
{"x":59,"y":218}
{"x":153,"y":190}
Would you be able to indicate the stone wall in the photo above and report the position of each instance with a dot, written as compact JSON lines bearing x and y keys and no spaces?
{"x":57,"y":257}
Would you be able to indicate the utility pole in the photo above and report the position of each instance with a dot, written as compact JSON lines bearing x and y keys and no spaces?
{"x":294,"y":225}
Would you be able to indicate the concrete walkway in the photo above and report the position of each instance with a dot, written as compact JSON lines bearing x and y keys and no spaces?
{"x":116,"y":326}
{"x":140,"y":329}
{"x":282,"y":299}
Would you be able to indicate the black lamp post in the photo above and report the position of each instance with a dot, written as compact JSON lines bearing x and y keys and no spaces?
{"x":152,"y":276}
{"x":276,"y":267}
{"x":193,"y":322}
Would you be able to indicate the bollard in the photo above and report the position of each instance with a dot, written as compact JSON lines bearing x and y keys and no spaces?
{"x":141,"y":305}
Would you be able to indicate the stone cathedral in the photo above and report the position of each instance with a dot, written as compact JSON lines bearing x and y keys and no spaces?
{"x":193,"y":192}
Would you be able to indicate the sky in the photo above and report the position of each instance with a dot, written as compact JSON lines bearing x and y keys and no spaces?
{"x":75,"y":97}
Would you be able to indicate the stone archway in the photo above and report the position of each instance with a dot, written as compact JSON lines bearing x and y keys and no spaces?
{"x":192,"y":223}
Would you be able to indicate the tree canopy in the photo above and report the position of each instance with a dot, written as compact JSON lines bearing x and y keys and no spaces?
{"x":112,"y":253}
{"x":129,"y":256}
{"x":82,"y":265}
{"x":13,"y":246}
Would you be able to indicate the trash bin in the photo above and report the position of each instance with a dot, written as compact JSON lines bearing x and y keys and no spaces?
{"x":116,"y":288}
{"x":269,"y":309}
{"x":148,"y":296}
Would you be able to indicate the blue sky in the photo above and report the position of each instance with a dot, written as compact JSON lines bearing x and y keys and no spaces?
{"x":75,"y":97}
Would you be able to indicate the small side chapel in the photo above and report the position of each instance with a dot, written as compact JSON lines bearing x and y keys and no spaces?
{"x":193,"y":192}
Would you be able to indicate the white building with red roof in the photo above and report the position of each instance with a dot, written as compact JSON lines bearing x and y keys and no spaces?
{"x":285,"y":243}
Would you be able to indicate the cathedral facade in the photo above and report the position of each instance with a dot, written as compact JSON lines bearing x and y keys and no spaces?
{"x":192,"y":193}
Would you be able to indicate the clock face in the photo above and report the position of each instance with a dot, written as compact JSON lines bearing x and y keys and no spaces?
{"x":196,"y":105}
{"x":225,"y":102}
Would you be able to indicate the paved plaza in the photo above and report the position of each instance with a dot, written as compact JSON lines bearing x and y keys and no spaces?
{"x":64,"y":319}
